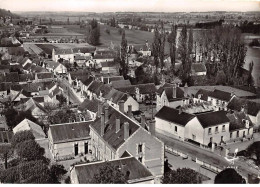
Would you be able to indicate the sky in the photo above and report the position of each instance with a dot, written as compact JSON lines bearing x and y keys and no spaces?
{"x":131,"y":5}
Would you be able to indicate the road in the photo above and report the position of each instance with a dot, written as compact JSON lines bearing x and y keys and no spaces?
{"x":73,"y":98}
{"x":207,"y":156}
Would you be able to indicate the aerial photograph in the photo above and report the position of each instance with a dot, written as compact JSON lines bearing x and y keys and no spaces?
{"x":129,"y":92}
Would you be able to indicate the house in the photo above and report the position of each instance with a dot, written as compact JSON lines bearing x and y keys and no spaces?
{"x":252,"y":109}
{"x":3,"y":123}
{"x":37,"y":110}
{"x":220,"y":98}
{"x":82,"y":60}
{"x":3,"y":90}
{"x":24,"y":61}
{"x":109,"y":67}
{"x":55,"y":67}
{"x":171,"y":96}
{"x":113,"y":133}
{"x":120,"y":83}
{"x":44,"y":77}
{"x":27,"y":124}
{"x":136,"y":172}
{"x":12,"y":77}
{"x":92,"y":89}
{"x":77,"y":77}
{"x":69,"y":140}
{"x":198,"y":69}
{"x":65,"y":54}
{"x":90,"y":106}
{"x":140,"y":92}
{"x":86,"y":83}
{"x":107,"y":79}
{"x":144,"y":50}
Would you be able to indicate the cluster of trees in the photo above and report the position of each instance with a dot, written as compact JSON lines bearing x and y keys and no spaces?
{"x":250,"y":27}
{"x":208,"y":25}
{"x":229,"y":176}
{"x":254,"y":43}
{"x":93,"y":33}
{"x":25,"y":162}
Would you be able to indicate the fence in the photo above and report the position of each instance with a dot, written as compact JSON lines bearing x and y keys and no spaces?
{"x":203,"y":164}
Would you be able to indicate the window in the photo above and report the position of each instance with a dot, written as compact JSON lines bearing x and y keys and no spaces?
{"x":209,"y":130}
{"x":176,"y":128}
{"x":237,"y":134}
{"x":223,"y":128}
{"x":86,"y":147}
{"x":76,"y":149}
{"x":222,"y":138}
{"x":217,"y":102}
{"x":193,"y":137}
{"x":216,"y":130}
{"x":140,"y":148}
{"x":248,"y":131}
{"x":230,"y":135}
{"x":140,"y":159}
{"x":210,"y":139}
{"x":244,"y":133}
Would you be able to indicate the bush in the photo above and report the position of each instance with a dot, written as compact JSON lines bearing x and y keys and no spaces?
{"x":67,"y":180}
{"x":30,"y":150}
{"x":107,"y":31}
{"x":22,"y":136}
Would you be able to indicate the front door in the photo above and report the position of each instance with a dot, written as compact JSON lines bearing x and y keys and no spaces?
{"x":76,"y":149}
{"x":86,"y":147}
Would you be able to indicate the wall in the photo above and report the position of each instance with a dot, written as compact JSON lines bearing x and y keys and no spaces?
{"x":153,"y":150}
{"x":168,"y":128}
{"x":194,"y":127}
{"x":131,"y":101}
{"x":73,"y":176}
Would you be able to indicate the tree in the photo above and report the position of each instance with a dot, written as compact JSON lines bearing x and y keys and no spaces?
{"x":21,"y":136}
{"x":5,"y":153}
{"x":56,"y":172}
{"x":172,"y":44}
{"x":109,"y":174}
{"x":93,"y":32}
{"x":229,"y":176}
{"x":158,"y":45}
{"x":62,"y":100}
{"x":250,"y":79}
{"x":124,"y":55}
{"x":253,"y":151}
{"x":61,"y":116}
{"x":30,"y":150}
{"x":181,"y":176}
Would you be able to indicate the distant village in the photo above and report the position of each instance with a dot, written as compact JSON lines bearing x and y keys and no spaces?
{"x":110,"y":119}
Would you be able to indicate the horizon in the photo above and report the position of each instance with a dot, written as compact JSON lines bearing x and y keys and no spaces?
{"x":109,"y":6}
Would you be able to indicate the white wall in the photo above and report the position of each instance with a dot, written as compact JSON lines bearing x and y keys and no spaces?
{"x":130,"y":101}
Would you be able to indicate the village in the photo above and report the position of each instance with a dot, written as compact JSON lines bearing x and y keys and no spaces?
{"x":85,"y":109}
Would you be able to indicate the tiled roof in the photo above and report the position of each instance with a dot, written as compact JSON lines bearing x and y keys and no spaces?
{"x":31,"y":104}
{"x":84,"y":50}
{"x":108,"y":64}
{"x":37,"y":99}
{"x":5,"y":86}
{"x":12,"y":77}
{"x":70,"y":131}
{"x":103,"y":56}
{"x":237,"y":121}
{"x":222,"y":95}
{"x":115,"y":96}
{"x":110,"y":136}
{"x":204,"y":94}
{"x":88,"y":81}
{"x":237,"y":103}
{"x":174,"y":115}
{"x":209,"y":119}
{"x":28,"y":66}
{"x":120,"y":83}
{"x":46,"y":75}
{"x":94,"y":86}
{"x":63,"y":51}
{"x":91,"y":105}
{"x":51,"y":64}
{"x":80,"y":75}
{"x":143,"y":88}
{"x":104,"y":89}
{"x":161,"y":88}
{"x":137,"y":171}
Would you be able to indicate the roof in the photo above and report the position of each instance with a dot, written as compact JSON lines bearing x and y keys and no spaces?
{"x":52,"y":64}
{"x":26,"y":77}
{"x":63,"y":51}
{"x":169,"y":93}
{"x":209,"y":119}
{"x":174,"y":115}
{"x":70,"y":131}
{"x":91,"y":105}
{"x":88,"y":81}
{"x":37,"y":99}
{"x":120,"y":83}
{"x":115,"y":140}
{"x":108,"y":64}
{"x":142,"y":47}
{"x":103,"y":56}
{"x":136,"y":170}
{"x":12,"y":77}
{"x":80,"y":75}
{"x":6,"y":136}
{"x":95,"y":85}
{"x":237,"y":103}
{"x":161,"y":88}
{"x":46,"y":75}
{"x":84,"y":49}
{"x":27,"y":124}
{"x":198,"y":67}
{"x":237,"y":121}
{"x":31,"y":104}
{"x":143,"y":88}
{"x":115,"y":96}
{"x":222,"y":95}
{"x":203,"y":93}
{"x":109,"y":79}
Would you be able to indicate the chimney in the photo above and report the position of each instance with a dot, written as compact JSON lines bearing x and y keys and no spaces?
{"x":117,"y":124}
{"x":126,"y":130}
{"x":186,"y":90}
{"x":106,"y":114}
{"x":121,"y":106}
{"x":102,"y":124}
{"x":152,"y":127}
{"x":174,"y":91}
{"x":129,"y":112}
{"x":99,"y":109}
{"x":180,"y":110}
{"x":143,"y":120}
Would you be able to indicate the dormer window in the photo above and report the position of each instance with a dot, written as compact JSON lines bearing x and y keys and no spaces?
{"x":140,"y":148}
{"x":216,"y":130}
{"x":223,"y":128}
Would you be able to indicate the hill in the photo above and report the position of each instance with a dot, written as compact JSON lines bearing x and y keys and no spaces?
{"x":5,"y":13}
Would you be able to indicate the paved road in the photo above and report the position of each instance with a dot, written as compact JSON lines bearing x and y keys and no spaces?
{"x":68,"y":91}
{"x":207,"y":156}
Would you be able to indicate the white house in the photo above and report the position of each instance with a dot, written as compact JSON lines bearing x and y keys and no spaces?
{"x":55,"y":67}
{"x":198,"y":69}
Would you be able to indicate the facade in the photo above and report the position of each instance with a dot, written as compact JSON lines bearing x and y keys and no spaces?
{"x":55,"y":67}
{"x":69,"y":140}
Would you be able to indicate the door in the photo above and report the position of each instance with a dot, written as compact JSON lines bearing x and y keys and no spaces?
{"x":86,"y":147}
{"x":76,"y":149}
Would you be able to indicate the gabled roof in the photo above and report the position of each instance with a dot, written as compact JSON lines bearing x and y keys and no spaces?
{"x":110,"y":136}
{"x":169,"y":93}
{"x":222,"y":95}
{"x":143,"y":88}
{"x":95,"y":85}
{"x":115,"y":96}
{"x":27,"y":124}
{"x":28,"y":66}
{"x":51,"y":64}
{"x":31,"y":104}
{"x":91,"y":105}
{"x":88,"y":81}
{"x":137,"y":171}
{"x":80,"y":75}
{"x":237,"y":120}
{"x":67,"y":132}
{"x":37,"y":99}
{"x":84,"y":50}
{"x":174,"y":115}
{"x":161,"y":88}
{"x":237,"y":103}
{"x":47,"y":75}
{"x":203,"y":93}
{"x":12,"y":77}
{"x":120,"y":83}
{"x":209,"y":119}
{"x":103,"y":89}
